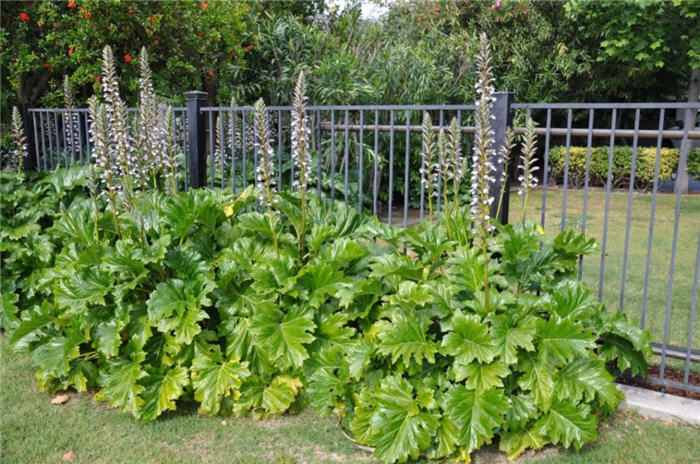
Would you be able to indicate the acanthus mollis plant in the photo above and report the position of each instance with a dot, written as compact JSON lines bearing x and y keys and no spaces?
{"x":429,"y":166}
{"x":19,"y":141}
{"x":301,"y":154}
{"x":148,"y":136}
{"x":527,"y":165}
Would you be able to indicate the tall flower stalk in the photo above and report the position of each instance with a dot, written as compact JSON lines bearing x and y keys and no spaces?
{"x":117,"y":134}
{"x":482,"y":159}
{"x":430,"y":167}
{"x":149,"y":134}
{"x":70,"y":121}
{"x":99,"y":133}
{"x":20,"y":141}
{"x":301,"y":155}
{"x":457,"y":164}
{"x":528,"y":165}
{"x":265,"y":172}
{"x":504,"y":159}
{"x":445,"y":169}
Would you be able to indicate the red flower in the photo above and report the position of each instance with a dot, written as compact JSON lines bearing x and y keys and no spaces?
{"x":153,"y":19}
{"x":82,"y":10}
{"x":46,"y":65}
{"x":210,"y":74}
{"x":97,"y":79}
{"x":70,"y":51}
{"x":55,"y":25}
{"x":524,"y":12}
{"x":127,"y":58}
{"x":157,"y":42}
{"x":2,"y":48}
{"x":131,"y":11}
{"x":24,"y":16}
{"x":233,"y":53}
{"x":200,"y":34}
{"x":204,"y":5}
{"x":88,"y":15}
{"x":71,"y":4}
{"x":250,"y":48}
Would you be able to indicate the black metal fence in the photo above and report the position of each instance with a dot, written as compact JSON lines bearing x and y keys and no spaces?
{"x":370,"y":156}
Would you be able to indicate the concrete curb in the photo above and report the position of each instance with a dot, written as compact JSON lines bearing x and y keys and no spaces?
{"x":660,"y":405}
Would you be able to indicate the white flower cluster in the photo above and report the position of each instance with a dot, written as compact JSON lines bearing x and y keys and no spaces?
{"x":483,"y":167}
{"x":117,"y":134}
{"x":71,"y":122}
{"x":527,"y":166}
{"x":149,"y":137}
{"x":457,"y":159}
{"x":101,"y":152}
{"x":265,"y":174}
{"x":20,"y":141}
{"x":301,"y":156}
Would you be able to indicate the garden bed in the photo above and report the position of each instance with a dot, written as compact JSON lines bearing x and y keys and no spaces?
{"x":670,"y":373}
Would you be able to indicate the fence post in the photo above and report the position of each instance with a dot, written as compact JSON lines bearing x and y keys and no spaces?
{"x":503,"y":118}
{"x":196,"y":138}
{"x":29,"y":161}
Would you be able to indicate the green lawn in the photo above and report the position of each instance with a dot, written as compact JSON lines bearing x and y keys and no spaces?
{"x":639,"y":234}
{"x":34,"y":431}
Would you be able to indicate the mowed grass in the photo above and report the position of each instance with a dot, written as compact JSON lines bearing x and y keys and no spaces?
{"x":34,"y":431}
{"x":689,"y":228}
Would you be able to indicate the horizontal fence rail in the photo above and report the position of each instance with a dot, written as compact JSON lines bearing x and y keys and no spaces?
{"x":370,"y":156}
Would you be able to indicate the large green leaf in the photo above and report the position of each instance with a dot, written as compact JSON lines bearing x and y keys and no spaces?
{"x":481,"y":377}
{"x":538,"y":379}
{"x":78,"y":290}
{"x":587,"y":377}
{"x":568,"y":423}
{"x":562,"y":339}
{"x":508,"y":338}
{"x":468,"y":339}
{"x":280,"y":393}
{"x":214,"y":377}
{"x":514,"y":442}
{"x":478,"y":415}
{"x":283,"y":336}
{"x":162,"y":391}
{"x":405,"y":429}
{"x":403,"y":337}
{"x":120,"y":383}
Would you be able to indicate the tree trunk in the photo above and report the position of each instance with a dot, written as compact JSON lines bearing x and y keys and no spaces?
{"x":689,"y":123}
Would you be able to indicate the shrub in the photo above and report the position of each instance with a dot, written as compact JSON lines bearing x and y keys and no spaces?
{"x":622,"y":162}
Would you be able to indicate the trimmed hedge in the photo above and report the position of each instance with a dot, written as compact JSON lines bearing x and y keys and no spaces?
{"x":622,"y":162}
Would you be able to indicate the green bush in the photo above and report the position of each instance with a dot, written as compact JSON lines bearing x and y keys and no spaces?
{"x":203,"y":298}
{"x":621,"y":166}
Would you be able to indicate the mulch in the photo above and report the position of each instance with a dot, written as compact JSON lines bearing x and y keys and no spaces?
{"x":669,"y":374}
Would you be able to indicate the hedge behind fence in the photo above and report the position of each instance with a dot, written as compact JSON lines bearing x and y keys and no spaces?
{"x":622,"y":162}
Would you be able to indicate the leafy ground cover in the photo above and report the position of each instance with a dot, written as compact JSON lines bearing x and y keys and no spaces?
{"x":34,"y":430}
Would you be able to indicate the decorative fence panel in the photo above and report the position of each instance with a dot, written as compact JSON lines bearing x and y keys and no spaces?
{"x":370,"y":156}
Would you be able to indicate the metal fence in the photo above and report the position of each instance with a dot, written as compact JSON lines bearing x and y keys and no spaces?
{"x":370,"y":156}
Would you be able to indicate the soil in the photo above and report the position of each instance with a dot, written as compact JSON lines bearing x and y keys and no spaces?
{"x":670,"y":374}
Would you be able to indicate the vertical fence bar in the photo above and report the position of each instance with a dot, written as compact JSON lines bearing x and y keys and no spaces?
{"x":503,"y":117}
{"x":279,"y":154}
{"x":391,"y":165}
{"x":375,"y":181}
{"x":319,"y":151}
{"x":608,"y":187}
{"x":674,"y":246}
{"x":361,"y":161}
{"x":346,"y":154}
{"x":244,"y":150}
{"x":50,"y":139}
{"x":652,"y":217}
{"x":36,"y":142}
{"x":222,"y":148}
{"x":567,"y":157}
{"x":58,"y":144}
{"x":197,"y":138}
{"x":406,"y":169}
{"x":232,"y":136}
{"x":439,"y":178}
{"x":545,"y":173}
{"x":212,"y":149}
{"x":628,"y":223}
{"x":693,"y":305}
{"x":584,"y":217}
{"x":87,"y":139}
{"x":80,"y":138}
{"x":423,"y":169}
{"x":332,"y":155}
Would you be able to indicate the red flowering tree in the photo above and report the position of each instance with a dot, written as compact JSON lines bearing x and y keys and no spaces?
{"x":41,"y":41}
